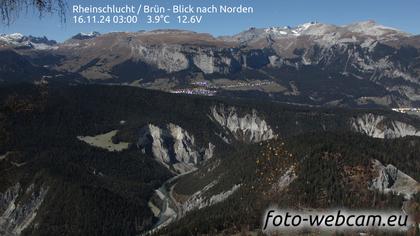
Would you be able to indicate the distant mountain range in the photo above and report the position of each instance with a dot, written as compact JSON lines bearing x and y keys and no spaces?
{"x":20,"y":41}
{"x":361,"y":64}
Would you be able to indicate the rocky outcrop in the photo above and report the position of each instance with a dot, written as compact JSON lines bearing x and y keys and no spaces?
{"x":211,"y":61}
{"x":202,"y":199}
{"x":168,"y":58}
{"x":285,"y":180}
{"x":174,"y":147}
{"x":247,"y":128}
{"x":16,"y":215}
{"x":378,"y":126}
{"x":391,"y":180}
{"x":175,"y":58}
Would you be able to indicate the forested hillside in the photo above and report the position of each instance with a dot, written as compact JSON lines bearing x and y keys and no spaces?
{"x":73,"y":160}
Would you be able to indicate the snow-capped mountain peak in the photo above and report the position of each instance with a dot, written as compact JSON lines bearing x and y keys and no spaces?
{"x":325,"y":33}
{"x":10,"y":38}
{"x":287,"y":30}
{"x":18,"y":40}
{"x":90,"y":34}
{"x":276,"y":30}
{"x":300,"y":29}
{"x":306,"y":26}
{"x":83,"y":36}
{"x":15,"y":36}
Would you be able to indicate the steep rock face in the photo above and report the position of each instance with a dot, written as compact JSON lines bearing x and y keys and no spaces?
{"x":365,"y":50}
{"x":166,"y":50}
{"x":167,"y":58}
{"x":169,"y":51}
{"x":175,"y":58}
{"x":174,"y":147}
{"x":378,"y":126}
{"x":375,"y":60}
{"x":248,"y":128}
{"x":212,"y":60}
{"x":17,"y":216}
{"x":391,"y":180}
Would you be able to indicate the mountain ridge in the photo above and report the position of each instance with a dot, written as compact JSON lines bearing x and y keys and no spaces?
{"x":355,"y":26}
{"x":360,"y":64}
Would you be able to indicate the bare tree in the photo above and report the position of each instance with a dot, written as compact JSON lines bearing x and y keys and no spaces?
{"x":10,"y":9}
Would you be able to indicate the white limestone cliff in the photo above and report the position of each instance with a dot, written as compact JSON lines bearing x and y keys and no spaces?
{"x":378,"y":127}
{"x":247,"y":128}
{"x":16,"y":215}
{"x":174,"y":147}
{"x":391,"y":180}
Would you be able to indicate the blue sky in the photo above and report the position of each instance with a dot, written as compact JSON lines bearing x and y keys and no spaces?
{"x":402,"y":14}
